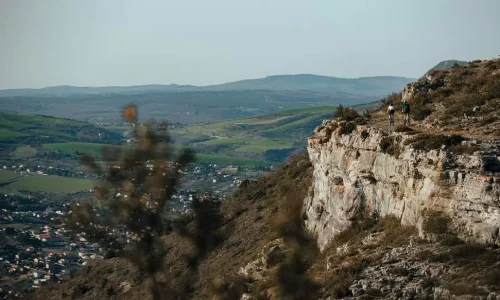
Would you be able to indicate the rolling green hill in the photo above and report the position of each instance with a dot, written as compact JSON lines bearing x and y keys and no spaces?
{"x":253,"y":141}
{"x":19,"y":130}
{"x":269,"y":138}
{"x":377,"y":85}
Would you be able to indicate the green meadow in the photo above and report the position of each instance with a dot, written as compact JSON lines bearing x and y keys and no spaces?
{"x":83,"y":148}
{"x":7,"y":134}
{"x":50,"y":184}
{"x":6,"y":175}
{"x":254,"y":137}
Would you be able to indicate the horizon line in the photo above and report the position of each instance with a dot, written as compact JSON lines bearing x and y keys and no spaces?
{"x":199,"y":86}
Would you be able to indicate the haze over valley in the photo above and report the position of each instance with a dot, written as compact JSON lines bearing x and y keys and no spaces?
{"x":191,"y":104}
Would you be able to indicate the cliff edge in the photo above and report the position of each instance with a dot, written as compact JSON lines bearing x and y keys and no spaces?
{"x":405,"y":174}
{"x":448,"y":160}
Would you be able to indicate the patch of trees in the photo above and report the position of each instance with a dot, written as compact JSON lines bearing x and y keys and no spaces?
{"x":54,"y":155}
{"x":20,"y":203}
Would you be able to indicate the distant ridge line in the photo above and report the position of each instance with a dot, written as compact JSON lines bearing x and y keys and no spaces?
{"x":306,"y":82}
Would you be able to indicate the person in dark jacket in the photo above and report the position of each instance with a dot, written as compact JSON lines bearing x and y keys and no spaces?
{"x":405,"y":109}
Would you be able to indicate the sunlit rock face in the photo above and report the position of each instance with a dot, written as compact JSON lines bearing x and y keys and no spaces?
{"x":357,"y":173}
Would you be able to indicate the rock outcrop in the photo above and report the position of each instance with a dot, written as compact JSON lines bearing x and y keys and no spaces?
{"x":447,"y":64}
{"x":463,"y":99}
{"x":368,"y":171}
{"x":271,"y":254}
{"x":425,"y":85}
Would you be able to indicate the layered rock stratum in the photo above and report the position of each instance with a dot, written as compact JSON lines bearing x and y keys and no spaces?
{"x":354,"y":173}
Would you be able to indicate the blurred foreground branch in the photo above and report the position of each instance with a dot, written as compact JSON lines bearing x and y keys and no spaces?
{"x":129,"y":215}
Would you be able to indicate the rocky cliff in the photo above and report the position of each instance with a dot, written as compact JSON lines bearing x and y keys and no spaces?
{"x":369,"y":171}
{"x":463,"y":99}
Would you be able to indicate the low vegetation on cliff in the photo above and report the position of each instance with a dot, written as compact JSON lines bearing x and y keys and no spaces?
{"x":465,"y":98}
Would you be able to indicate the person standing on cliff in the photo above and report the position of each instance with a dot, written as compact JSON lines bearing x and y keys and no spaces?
{"x":391,"y":110}
{"x":405,"y":109}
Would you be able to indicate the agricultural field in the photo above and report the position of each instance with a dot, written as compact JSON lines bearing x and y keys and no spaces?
{"x":19,"y":123}
{"x":228,"y":160}
{"x":50,"y":184}
{"x":8,"y":134}
{"x":93,"y":149}
{"x":25,"y":120}
{"x":285,"y":128}
{"x":7,"y":175}
{"x":269,"y":139}
{"x":256,"y":137}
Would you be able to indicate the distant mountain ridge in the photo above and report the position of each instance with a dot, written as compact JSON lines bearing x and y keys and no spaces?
{"x":378,"y":85}
{"x":65,"y":90}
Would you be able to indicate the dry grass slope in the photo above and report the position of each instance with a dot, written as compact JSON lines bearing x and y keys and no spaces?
{"x":463,"y":100}
{"x":246,"y":228}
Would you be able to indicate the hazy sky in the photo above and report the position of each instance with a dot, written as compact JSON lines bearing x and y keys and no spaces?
{"x":99,"y":43}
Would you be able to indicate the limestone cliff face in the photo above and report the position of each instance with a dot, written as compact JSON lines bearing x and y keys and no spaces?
{"x":353,"y":174}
